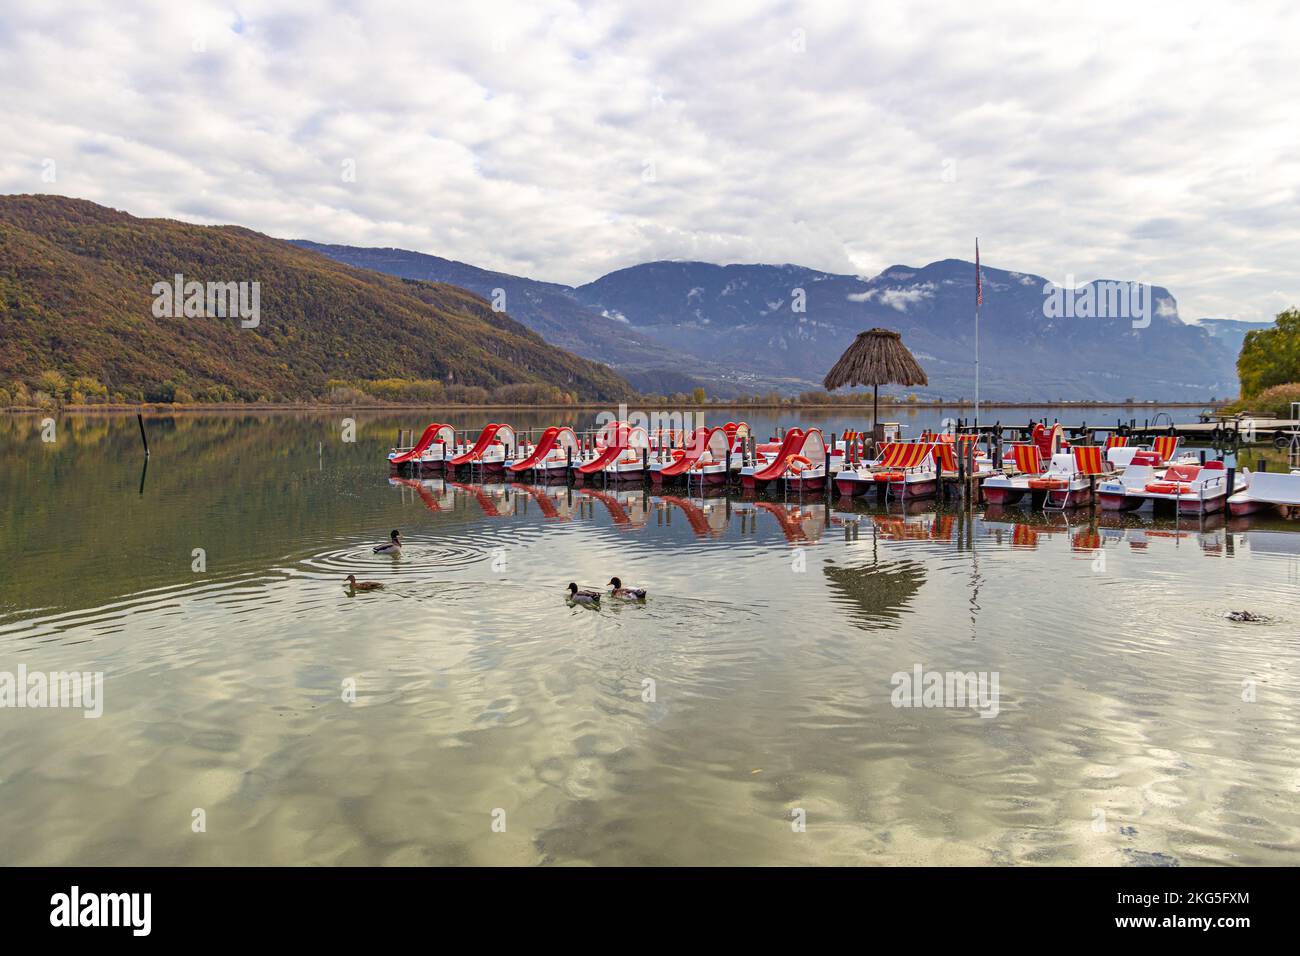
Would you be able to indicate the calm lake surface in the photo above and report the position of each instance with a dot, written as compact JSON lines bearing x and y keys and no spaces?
{"x":754,"y":692}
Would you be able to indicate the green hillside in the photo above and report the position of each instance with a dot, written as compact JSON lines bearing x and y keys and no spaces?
{"x":77,"y":298}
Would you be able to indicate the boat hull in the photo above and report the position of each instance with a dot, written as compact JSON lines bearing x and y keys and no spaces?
{"x":1002,"y":494}
{"x":1250,"y":506}
{"x":1113,"y":501}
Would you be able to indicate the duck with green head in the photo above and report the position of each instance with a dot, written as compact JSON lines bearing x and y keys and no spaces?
{"x":582,"y":596}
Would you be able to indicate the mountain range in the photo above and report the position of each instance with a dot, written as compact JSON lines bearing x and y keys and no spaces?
{"x":744,"y":329}
{"x":79,"y":296}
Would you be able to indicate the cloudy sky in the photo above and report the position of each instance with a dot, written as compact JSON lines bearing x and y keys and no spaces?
{"x":560,"y":140}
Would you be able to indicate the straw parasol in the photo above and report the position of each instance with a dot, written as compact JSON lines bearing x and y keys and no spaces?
{"x":876,"y":357}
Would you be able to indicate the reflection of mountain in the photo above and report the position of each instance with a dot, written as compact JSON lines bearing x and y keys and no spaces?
{"x":875,"y":595}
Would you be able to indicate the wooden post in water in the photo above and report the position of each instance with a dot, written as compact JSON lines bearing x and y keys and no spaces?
{"x":1232,"y":480}
{"x":143,"y":437}
{"x":970,"y":473}
{"x":1261,"y":465}
{"x":829,"y":451}
{"x":568,"y":469}
{"x":961,"y":475}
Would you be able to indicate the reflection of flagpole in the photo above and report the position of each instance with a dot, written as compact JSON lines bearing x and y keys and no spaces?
{"x":979,"y":297}
{"x":974,"y":577}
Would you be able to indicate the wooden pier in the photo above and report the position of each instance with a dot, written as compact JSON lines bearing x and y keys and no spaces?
{"x":1279,"y":432}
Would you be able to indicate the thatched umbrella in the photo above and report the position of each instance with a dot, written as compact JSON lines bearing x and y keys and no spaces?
{"x":876,"y":357}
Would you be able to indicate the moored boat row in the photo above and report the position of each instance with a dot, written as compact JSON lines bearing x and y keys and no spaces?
{"x":618,"y":451}
{"x":1045,"y":472}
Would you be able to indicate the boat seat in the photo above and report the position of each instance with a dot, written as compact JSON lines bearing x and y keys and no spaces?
{"x":1182,"y":472}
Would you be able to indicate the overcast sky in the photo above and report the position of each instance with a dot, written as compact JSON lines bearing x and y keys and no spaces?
{"x":562,"y":140}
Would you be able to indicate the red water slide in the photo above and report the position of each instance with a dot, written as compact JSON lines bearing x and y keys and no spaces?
{"x":696,"y":446}
{"x":417,"y":450}
{"x":793,"y":442}
{"x":543,"y":448}
{"x":480,"y":446}
{"x":602,"y":461}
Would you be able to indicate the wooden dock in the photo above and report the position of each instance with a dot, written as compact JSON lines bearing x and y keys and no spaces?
{"x":1278,"y":432}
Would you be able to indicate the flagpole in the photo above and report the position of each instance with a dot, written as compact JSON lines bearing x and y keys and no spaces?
{"x":979,"y":295}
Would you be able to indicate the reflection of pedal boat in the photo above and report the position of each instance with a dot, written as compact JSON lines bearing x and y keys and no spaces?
{"x":422,"y":488}
{"x":625,"y":513}
{"x":798,"y":523}
{"x":487,"y":497}
{"x":544,"y":502}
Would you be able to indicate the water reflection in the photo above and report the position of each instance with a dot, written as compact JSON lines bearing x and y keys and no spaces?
{"x":877,"y":594}
{"x":770,"y":637}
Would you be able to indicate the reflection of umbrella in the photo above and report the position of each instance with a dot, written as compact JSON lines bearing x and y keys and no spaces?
{"x":875,"y":358}
{"x":874,"y":595}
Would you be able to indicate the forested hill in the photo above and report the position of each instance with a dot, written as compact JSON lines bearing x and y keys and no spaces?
{"x":78,"y":301}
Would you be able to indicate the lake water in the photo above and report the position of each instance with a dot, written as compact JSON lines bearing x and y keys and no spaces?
{"x":745,"y":714}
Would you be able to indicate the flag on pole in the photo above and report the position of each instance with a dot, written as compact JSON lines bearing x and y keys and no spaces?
{"x":979,"y":285}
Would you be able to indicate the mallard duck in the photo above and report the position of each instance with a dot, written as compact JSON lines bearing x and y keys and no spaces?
{"x":394,"y":546}
{"x":356,"y":585}
{"x":625,"y":594}
{"x":581,"y":596}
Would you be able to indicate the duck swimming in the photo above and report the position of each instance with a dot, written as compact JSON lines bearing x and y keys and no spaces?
{"x":356,"y":585}
{"x":624,"y":593}
{"x":394,"y":545}
{"x":583,"y":596}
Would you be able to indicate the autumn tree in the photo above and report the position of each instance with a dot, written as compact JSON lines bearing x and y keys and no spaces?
{"x":1270,"y":356}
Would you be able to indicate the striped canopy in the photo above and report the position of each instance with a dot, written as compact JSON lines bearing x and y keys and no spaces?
{"x":1088,"y":460}
{"x":903,"y":454}
{"x":1165,"y":446}
{"x":1116,"y":441}
{"x":1029,"y":461}
{"x":943,"y":454}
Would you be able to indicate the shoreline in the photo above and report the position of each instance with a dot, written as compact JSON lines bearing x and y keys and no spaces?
{"x":205,"y":408}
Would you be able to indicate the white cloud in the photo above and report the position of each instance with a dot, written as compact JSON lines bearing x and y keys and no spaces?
{"x":896,"y":298}
{"x":562,"y":140}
